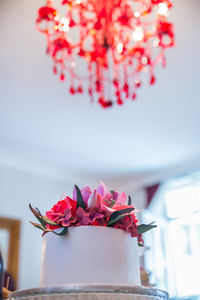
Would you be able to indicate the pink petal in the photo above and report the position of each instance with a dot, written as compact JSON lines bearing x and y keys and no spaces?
{"x":68,"y":203}
{"x":74,"y":194}
{"x":120,"y":207}
{"x":104,"y":191}
{"x":108,"y":209}
{"x":115,"y":195}
{"x":92,"y":199}
{"x":80,"y":212}
{"x":99,"y":200}
{"x":100,"y":189}
{"x":86,"y":192}
{"x":122,"y":199}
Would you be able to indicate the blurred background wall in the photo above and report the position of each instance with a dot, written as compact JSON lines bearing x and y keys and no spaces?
{"x":50,"y":141}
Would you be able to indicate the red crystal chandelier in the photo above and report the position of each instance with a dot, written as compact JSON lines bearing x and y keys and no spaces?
{"x":107,"y":43}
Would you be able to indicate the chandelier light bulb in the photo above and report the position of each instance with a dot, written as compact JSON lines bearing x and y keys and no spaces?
{"x":120,"y":48}
{"x":156,"y":42}
{"x":136,"y":14}
{"x":64,"y":25}
{"x":144,"y":60}
{"x":73,"y":64}
{"x":138,"y":34}
{"x":163,"y":9}
{"x":56,"y":18}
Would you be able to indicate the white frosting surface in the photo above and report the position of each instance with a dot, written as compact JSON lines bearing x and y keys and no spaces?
{"x":92,"y":255}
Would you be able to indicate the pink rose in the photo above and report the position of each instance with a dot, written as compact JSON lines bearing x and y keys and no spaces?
{"x":63,"y":212}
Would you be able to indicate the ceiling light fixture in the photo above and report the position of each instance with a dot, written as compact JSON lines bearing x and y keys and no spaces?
{"x":107,"y":43}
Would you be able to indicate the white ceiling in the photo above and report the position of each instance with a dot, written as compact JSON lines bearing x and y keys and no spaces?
{"x":44,"y":129}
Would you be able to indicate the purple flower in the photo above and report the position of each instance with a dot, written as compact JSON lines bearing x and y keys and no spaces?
{"x":66,"y":219}
{"x":95,"y":214}
{"x":132,"y":229}
{"x":82,"y":217}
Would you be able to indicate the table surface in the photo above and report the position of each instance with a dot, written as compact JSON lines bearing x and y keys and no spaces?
{"x":85,"y":288}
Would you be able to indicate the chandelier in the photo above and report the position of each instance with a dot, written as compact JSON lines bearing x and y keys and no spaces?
{"x":109,"y":44}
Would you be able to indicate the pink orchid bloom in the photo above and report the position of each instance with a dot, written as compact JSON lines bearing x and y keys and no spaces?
{"x":104,"y":192}
{"x":95,"y":199}
{"x":107,"y":195}
{"x":122,"y":199}
{"x":85,"y":192}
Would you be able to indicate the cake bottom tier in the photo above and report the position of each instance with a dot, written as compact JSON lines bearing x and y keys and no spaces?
{"x":86,"y":292}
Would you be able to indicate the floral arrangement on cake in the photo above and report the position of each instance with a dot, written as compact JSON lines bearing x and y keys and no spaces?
{"x":98,"y":207}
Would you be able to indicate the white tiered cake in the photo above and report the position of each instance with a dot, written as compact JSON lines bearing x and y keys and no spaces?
{"x":96,"y":256}
{"x":92,"y":255}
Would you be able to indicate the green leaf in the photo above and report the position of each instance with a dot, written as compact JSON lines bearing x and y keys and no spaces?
{"x":118,"y":215}
{"x":145,"y":227}
{"x":45,"y":219}
{"x":129,"y":200}
{"x":113,"y":222}
{"x":49,"y":222}
{"x":80,"y":202}
{"x":41,"y":216}
{"x":140,"y":245}
{"x":37,"y":225}
{"x":63,"y":232}
{"x":37,"y":215}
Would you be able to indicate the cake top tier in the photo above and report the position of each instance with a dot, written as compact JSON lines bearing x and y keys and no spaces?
{"x":95,"y":207}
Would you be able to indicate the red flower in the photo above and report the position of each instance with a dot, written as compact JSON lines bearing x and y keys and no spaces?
{"x":62,"y":211}
{"x":56,"y":213}
{"x":59,"y":207}
{"x":72,"y":205}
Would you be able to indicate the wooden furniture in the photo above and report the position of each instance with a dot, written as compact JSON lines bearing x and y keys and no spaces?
{"x":12,"y":226}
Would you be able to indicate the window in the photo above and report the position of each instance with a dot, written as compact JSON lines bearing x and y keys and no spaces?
{"x":173,"y":254}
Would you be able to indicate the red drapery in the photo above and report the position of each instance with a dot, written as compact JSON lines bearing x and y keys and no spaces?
{"x":151,"y":191}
